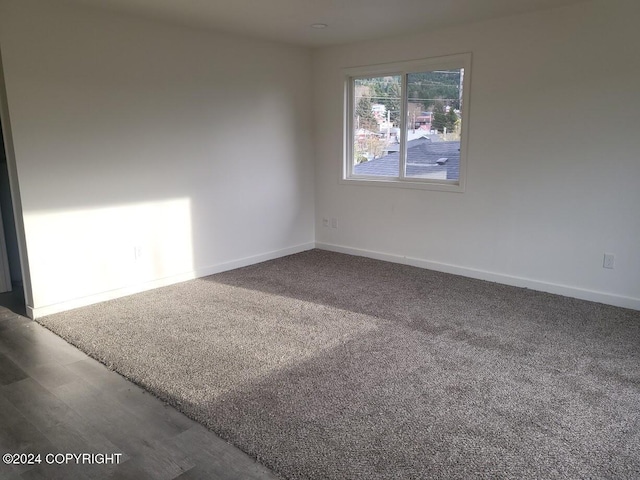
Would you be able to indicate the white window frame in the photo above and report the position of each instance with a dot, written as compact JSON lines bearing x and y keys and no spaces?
{"x":448,"y":62}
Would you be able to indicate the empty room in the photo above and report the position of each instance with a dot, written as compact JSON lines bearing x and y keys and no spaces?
{"x":310,"y":239}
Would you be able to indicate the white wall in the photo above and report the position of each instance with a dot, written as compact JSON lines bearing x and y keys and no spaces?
{"x":196,"y":147}
{"x":193,"y":146}
{"x":554,"y":156}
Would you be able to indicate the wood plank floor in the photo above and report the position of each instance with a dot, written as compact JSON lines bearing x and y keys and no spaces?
{"x":55,"y":399}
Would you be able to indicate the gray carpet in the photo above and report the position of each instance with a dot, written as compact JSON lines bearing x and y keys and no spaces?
{"x":323,"y":365}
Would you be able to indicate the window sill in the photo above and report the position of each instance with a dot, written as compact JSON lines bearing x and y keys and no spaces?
{"x":398,"y":183}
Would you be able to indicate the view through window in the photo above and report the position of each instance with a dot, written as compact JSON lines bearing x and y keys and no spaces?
{"x":408,"y":126}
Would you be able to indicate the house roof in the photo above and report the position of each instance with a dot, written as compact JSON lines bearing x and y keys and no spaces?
{"x":425,"y":159}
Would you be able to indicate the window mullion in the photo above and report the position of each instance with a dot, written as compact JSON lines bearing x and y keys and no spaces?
{"x":351,"y":128}
{"x":403,"y":128}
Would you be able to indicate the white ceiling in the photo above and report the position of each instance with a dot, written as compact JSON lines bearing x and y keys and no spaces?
{"x":349,"y":20}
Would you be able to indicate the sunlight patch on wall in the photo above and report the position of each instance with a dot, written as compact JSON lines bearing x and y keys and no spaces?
{"x":78,"y":253}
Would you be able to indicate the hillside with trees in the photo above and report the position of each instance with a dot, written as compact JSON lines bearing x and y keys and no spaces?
{"x":436,"y":91}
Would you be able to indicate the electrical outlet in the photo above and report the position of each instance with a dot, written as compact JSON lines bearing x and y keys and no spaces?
{"x":609,"y":260}
{"x":137,"y":252}
{"x":334,"y":223}
{"x":325,"y":222}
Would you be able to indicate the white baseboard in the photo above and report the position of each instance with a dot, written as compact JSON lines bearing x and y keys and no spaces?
{"x":584,"y":294}
{"x":565,"y":290}
{"x":163,"y":282}
{"x":243,"y":262}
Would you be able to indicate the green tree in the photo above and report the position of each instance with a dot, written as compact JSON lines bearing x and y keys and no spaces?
{"x":364,"y":115}
{"x":439,"y":121}
{"x":426,"y":86}
{"x":387,"y":93}
{"x":451,"y":120}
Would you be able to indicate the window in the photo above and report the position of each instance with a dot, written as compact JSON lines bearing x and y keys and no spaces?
{"x":406,"y":123}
